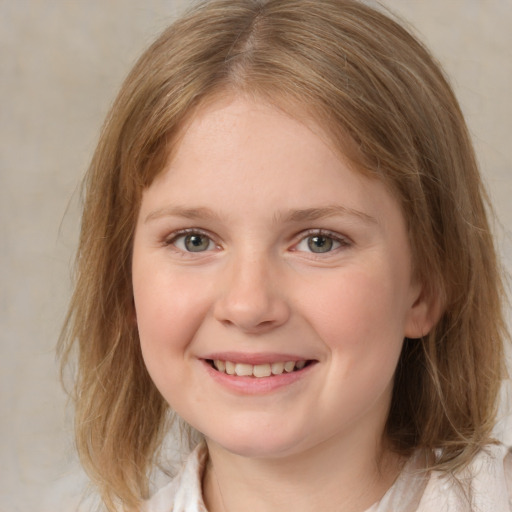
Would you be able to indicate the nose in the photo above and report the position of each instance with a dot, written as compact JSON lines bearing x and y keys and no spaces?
{"x":251,"y":297}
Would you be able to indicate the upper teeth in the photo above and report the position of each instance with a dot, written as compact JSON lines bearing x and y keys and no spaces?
{"x":257,"y":370}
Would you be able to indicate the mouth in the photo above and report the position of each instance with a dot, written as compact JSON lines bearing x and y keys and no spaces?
{"x":258,"y":371}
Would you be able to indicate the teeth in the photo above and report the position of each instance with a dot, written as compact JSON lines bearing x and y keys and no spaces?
{"x":277,"y":368}
{"x":257,"y":370}
{"x":289,"y":366}
{"x":243,"y":370}
{"x":230,"y":368}
{"x":262,"y":370}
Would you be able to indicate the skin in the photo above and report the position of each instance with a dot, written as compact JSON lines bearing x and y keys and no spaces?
{"x":254,"y":186}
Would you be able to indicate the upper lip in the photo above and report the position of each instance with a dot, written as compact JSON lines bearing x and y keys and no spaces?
{"x":254,"y":359}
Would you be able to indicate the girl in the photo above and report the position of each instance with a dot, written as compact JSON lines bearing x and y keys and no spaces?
{"x":285,"y":245}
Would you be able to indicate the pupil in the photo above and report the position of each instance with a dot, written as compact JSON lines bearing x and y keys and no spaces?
{"x":196,"y":243}
{"x":320,"y":244}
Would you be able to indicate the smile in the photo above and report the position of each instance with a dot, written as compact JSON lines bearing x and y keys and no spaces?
{"x":257,"y":370}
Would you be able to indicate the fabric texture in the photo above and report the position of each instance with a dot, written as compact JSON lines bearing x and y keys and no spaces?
{"x":484,"y":486}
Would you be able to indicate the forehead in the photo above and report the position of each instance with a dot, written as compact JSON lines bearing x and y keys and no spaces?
{"x":314,"y":118}
{"x":240,"y":135}
{"x":236,"y":151}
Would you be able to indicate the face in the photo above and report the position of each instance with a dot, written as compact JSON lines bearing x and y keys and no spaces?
{"x":272,"y":285}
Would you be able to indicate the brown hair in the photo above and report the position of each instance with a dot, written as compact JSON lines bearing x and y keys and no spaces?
{"x":364,"y":78}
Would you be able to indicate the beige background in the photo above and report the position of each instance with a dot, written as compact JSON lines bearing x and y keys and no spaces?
{"x":61,"y":64}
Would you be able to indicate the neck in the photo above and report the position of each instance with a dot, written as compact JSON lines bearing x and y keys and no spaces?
{"x":329,"y":477}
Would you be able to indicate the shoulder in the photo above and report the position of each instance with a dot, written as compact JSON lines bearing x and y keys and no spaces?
{"x":485,"y":485}
{"x":183,"y":493}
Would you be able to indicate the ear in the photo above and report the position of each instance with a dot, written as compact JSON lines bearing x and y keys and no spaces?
{"x":424,"y":313}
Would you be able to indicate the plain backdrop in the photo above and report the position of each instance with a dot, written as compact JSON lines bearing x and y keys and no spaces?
{"x":62,"y":62}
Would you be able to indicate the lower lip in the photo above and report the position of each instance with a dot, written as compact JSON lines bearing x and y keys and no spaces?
{"x":256,"y":385}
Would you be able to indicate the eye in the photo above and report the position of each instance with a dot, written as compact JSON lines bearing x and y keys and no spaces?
{"x":320,"y":243}
{"x":193,"y":242}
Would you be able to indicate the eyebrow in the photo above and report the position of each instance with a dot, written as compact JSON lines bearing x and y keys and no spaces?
{"x":179,"y":211}
{"x":309,"y":214}
{"x":299,"y":215}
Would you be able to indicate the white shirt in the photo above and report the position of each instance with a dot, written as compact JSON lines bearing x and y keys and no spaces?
{"x":488,"y":478}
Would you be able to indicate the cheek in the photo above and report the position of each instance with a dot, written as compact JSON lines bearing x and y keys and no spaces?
{"x":358,"y":312}
{"x":169,"y":309}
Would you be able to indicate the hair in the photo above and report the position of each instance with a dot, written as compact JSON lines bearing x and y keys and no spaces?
{"x":366,"y":80}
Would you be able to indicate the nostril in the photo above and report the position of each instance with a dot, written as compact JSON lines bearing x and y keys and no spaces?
{"x":253,"y":309}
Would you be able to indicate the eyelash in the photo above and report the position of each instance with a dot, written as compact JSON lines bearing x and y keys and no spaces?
{"x":171,"y":241}
{"x":343,"y":241}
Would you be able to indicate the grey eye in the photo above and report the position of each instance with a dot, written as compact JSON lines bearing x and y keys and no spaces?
{"x":194,"y":242}
{"x":320,"y":244}
{"x":197,"y":243}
